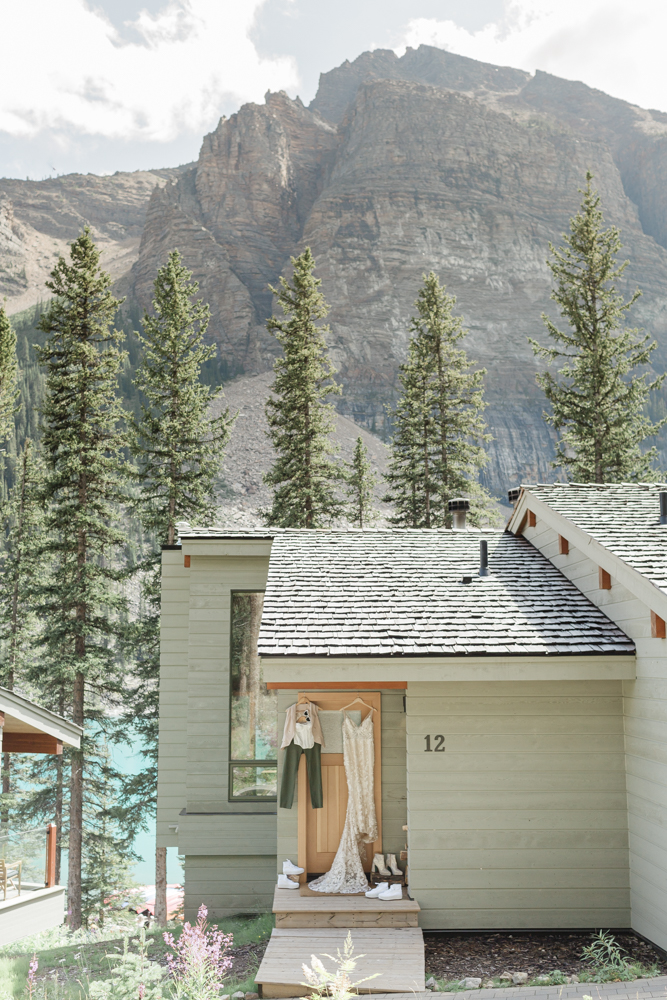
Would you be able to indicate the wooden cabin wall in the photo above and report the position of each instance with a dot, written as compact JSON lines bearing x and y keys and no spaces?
{"x":229,"y":847}
{"x":645,"y":727}
{"x":394,"y":789}
{"x":172,"y":751}
{"x":520,"y":821}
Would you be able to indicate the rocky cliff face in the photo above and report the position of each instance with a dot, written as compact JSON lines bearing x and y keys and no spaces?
{"x":39,"y":218}
{"x":398,"y":167}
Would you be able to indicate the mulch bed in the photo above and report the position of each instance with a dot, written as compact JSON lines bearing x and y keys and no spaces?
{"x":246,"y":959}
{"x":454,"y":956}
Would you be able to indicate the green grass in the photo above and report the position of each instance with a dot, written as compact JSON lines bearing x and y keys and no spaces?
{"x":85,"y":959}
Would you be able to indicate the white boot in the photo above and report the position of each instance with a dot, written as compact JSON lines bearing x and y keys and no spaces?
{"x":378,"y":865}
{"x":285,"y":882}
{"x":373,"y":893}
{"x":392,"y":866}
{"x":290,"y":869}
{"x":393,"y":892}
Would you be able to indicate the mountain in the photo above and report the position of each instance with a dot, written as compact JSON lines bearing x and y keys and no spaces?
{"x":430,"y":161}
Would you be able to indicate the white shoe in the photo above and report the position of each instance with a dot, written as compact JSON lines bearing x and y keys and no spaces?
{"x":284,"y":882}
{"x":393,"y":892}
{"x":290,"y":869}
{"x":373,"y":893}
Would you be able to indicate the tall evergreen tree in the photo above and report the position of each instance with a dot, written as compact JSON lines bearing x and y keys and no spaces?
{"x":83,"y":491}
{"x":179,"y":447}
{"x":108,"y":857}
{"x":439,"y":431}
{"x":360,"y":482}
{"x":20,"y":571}
{"x":597,"y":402}
{"x":303,"y":475}
{"x":8,"y":376}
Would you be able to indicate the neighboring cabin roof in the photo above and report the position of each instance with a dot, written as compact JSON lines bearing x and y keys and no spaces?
{"x":624,"y":517}
{"x":23,"y":716}
{"x":399,"y":593}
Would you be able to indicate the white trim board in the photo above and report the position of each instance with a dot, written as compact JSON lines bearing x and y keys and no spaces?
{"x":356,"y":669}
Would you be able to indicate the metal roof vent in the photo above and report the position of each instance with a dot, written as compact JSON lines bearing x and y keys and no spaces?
{"x":483,"y":557}
{"x":458,"y":508}
{"x":663,"y":507}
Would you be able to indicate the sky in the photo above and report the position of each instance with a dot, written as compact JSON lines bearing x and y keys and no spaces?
{"x":104,"y":85}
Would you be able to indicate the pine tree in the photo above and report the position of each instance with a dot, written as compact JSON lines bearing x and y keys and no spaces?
{"x":85,"y":476}
{"x":303,"y":474}
{"x":597,"y":403}
{"x":360,"y":482}
{"x":439,"y":431}
{"x":8,"y":376}
{"x":20,"y":570}
{"x":179,"y":449}
{"x":107,"y":855}
{"x":179,"y":446}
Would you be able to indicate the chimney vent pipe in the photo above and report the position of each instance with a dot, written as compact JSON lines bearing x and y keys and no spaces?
{"x":663,"y":507}
{"x":483,"y":557}
{"x":458,"y":508}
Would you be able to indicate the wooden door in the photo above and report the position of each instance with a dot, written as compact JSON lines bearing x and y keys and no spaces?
{"x":320,"y":829}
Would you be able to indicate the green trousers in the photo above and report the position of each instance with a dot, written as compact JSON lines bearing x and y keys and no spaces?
{"x":290,"y":768}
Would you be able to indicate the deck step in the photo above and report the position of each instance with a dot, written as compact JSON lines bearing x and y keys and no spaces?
{"x":294,"y":910}
{"x":395,"y":953}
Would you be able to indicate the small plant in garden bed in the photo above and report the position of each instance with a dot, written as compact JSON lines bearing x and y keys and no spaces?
{"x":608,"y":963}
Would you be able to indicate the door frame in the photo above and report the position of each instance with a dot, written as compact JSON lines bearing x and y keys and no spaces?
{"x":374,"y":699}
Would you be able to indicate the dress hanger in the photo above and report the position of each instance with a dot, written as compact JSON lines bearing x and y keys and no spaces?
{"x":361,"y":702}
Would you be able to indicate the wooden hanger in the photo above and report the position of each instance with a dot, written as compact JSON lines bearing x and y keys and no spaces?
{"x":302,"y":700}
{"x":361,"y":702}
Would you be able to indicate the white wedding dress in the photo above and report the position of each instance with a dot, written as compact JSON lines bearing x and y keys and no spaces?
{"x":346,"y":873}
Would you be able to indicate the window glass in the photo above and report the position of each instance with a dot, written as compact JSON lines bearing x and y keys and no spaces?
{"x":253,"y":730}
{"x":253,"y":781}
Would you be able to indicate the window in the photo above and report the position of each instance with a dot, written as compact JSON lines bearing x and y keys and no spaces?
{"x":253,"y":740}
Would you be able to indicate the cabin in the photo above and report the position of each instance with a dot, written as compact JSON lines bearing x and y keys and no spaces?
{"x":518,"y":681}
{"x":27,"y":907}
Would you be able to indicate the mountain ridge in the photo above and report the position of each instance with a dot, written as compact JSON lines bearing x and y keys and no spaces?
{"x":400,"y":165}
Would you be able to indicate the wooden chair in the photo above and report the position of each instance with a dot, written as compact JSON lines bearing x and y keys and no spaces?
{"x":10,"y":876}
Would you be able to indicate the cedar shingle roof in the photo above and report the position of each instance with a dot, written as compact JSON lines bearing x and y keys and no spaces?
{"x":399,"y":593}
{"x":624,"y":517}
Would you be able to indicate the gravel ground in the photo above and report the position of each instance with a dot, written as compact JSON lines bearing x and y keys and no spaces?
{"x":454,"y":956}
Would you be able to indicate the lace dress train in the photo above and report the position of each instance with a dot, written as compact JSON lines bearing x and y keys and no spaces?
{"x":346,"y":874}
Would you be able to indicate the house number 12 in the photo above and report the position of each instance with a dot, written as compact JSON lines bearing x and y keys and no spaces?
{"x":439,"y":744}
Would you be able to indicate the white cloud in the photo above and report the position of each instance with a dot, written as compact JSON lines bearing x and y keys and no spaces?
{"x":64,"y":66}
{"x":614,"y":45}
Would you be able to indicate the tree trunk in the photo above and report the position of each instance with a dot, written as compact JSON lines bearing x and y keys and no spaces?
{"x":76,"y":814}
{"x":161,"y":886}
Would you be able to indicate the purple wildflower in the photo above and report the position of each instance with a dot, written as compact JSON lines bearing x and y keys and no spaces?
{"x":200,"y":950}
{"x":32,"y":969}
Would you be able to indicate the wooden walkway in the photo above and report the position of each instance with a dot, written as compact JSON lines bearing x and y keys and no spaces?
{"x":315,"y":910}
{"x":394,"y":956}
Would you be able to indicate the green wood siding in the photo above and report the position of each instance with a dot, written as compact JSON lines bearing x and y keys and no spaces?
{"x":174,"y":634}
{"x":229,"y":846}
{"x":228,"y":885}
{"x":645,"y":730}
{"x":521,"y":821}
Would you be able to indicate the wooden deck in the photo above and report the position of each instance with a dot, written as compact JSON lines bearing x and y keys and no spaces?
{"x":395,"y":954}
{"x":294,"y":910}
